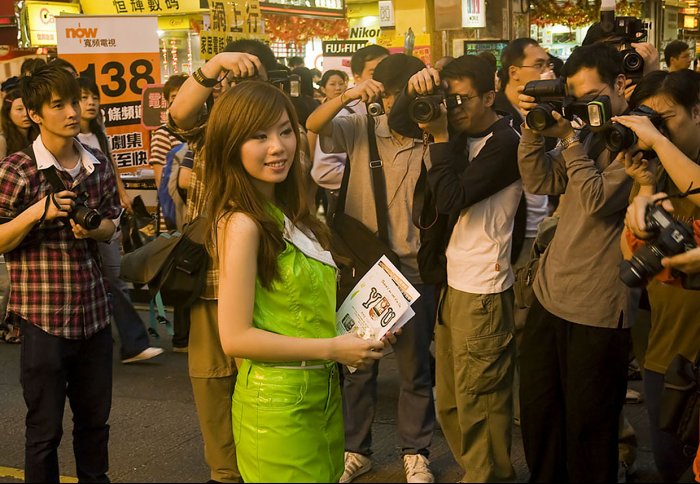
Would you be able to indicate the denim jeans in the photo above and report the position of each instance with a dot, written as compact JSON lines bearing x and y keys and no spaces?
{"x":132,"y":332}
{"x":51,"y":369}
{"x":416,"y":413}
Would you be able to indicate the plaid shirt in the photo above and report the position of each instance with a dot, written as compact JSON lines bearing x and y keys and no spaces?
{"x":196,"y":193}
{"x":55,"y":280}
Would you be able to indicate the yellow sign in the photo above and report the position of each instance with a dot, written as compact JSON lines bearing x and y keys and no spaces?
{"x":40,"y":19}
{"x":174,"y":22}
{"x":230,"y":20}
{"x":139,"y":7}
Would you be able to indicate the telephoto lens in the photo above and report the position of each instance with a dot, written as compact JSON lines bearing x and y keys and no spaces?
{"x":86,"y":217}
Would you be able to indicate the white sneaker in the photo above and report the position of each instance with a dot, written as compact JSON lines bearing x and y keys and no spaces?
{"x":146,"y":354}
{"x":355,"y":465}
{"x":416,"y":468}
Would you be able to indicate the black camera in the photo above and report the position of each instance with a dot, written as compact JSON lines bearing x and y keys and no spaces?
{"x":671,"y":238}
{"x":289,"y":83}
{"x":550,"y":95}
{"x":424,"y":109}
{"x":618,"y":137}
{"x":83,"y":215}
{"x":375,"y":108}
{"x":624,"y":31}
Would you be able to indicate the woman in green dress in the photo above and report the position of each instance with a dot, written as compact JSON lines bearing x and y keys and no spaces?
{"x":276,"y":293}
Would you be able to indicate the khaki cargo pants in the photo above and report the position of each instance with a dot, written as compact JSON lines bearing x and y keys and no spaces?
{"x":475,"y":352}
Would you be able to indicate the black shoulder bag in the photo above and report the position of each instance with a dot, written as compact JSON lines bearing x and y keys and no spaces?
{"x":350,"y":237}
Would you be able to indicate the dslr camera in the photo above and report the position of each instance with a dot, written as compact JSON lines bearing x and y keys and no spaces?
{"x":83,"y":215}
{"x":670,"y":238}
{"x":289,"y":83}
{"x":424,"y":109}
{"x":624,"y":31}
{"x":375,"y":108}
{"x":619,"y":137}
{"x":550,"y":95}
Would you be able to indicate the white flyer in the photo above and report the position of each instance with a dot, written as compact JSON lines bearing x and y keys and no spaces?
{"x":380,"y":302}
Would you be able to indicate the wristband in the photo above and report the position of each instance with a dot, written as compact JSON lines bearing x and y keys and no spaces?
{"x":203,"y":80}
{"x":569,"y":140}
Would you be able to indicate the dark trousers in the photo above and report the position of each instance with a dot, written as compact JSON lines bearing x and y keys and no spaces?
{"x":572,"y":389}
{"x":181,"y":326}
{"x":671,"y":456}
{"x":416,"y":414}
{"x":52,"y":368}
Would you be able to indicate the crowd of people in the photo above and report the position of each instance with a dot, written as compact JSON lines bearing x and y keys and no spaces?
{"x":514,"y":231}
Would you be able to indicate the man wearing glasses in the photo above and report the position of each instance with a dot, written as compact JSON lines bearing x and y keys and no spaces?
{"x":474,"y":176}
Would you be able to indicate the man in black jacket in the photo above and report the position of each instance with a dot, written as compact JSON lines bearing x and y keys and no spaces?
{"x":474,"y":176}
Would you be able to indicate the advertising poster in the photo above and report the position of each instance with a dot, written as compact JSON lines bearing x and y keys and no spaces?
{"x":121,"y":53}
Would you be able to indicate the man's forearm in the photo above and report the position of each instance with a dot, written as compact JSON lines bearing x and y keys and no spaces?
{"x":320,"y":120}
{"x":104,"y":232}
{"x":13,"y":232}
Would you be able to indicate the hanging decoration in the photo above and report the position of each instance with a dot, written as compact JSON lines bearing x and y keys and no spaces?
{"x":577,"y":13}
{"x":299,"y":30}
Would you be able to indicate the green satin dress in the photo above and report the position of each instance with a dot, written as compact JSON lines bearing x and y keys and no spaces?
{"x":287,"y":417}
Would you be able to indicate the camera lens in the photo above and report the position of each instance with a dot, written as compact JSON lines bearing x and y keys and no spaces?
{"x":645,"y":263}
{"x":86,"y":217}
{"x":632,"y":62}
{"x":423,"y":111}
{"x":619,"y":137}
{"x":540,"y":117}
{"x":374,"y":109}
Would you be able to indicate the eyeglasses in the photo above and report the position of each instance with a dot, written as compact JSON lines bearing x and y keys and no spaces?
{"x":541,"y":66}
{"x":455,"y":100}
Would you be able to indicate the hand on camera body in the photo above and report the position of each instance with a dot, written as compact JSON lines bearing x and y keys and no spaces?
{"x":59,"y":204}
{"x":638,"y":168}
{"x":687,"y":262}
{"x":635,"y":219}
{"x":368,"y":90}
{"x":648,"y":135}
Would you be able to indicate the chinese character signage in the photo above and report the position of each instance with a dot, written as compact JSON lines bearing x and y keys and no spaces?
{"x":154,"y":107}
{"x":139,"y":7}
{"x":230,"y":20}
{"x":40,"y":19}
{"x":121,"y":54}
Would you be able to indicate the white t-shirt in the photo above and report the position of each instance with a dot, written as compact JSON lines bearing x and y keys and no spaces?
{"x":478,"y":254}
{"x":89,"y":139}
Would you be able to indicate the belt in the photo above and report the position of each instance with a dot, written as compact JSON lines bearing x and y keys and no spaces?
{"x":298,"y":365}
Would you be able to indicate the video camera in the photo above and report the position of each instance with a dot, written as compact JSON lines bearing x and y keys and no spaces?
{"x":550,"y":95}
{"x":671,"y":238}
{"x":624,"y":31}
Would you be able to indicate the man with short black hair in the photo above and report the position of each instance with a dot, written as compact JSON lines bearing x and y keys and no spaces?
{"x":575,"y":346}
{"x":474,"y":178}
{"x":677,"y":56}
{"x":58,"y":295}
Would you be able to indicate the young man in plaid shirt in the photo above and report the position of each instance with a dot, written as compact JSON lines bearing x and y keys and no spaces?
{"x":58,"y":296}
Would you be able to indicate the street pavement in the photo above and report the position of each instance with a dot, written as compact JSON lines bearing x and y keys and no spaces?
{"x":155,"y":436}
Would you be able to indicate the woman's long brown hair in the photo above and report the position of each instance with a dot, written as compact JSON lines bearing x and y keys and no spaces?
{"x":237,"y":115}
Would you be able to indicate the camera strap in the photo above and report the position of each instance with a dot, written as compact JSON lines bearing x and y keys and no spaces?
{"x":689,"y":191}
{"x":378,"y":183}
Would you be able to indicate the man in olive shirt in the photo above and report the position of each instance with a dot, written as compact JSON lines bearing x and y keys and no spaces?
{"x":576,"y":340}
